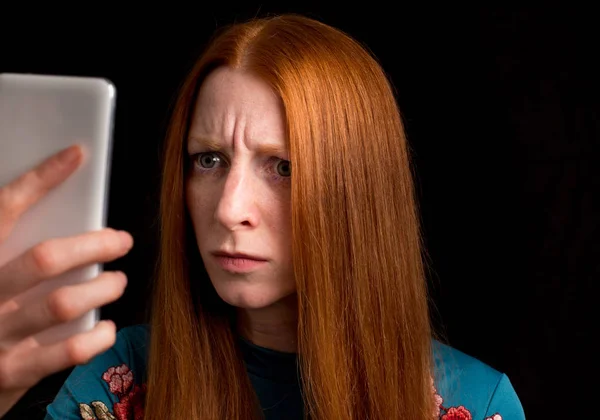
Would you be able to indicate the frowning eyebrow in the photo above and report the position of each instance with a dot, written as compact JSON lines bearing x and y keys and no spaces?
{"x":215,"y":146}
{"x":206,"y":143}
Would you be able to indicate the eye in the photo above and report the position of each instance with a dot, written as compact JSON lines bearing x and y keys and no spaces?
{"x":284,"y":168}
{"x":207,"y":160}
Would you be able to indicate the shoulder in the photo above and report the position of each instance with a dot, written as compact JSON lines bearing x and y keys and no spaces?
{"x":132,"y":343}
{"x":466,"y":388}
{"x":111,"y":383}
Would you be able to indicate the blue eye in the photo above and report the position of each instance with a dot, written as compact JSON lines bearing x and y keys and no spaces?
{"x":213,"y":163}
{"x":207,"y":160}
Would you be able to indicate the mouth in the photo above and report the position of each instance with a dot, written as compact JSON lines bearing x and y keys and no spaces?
{"x":238,"y":255}
{"x":238,"y":262}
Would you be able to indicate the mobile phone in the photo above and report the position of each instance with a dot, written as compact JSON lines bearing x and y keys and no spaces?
{"x":39,"y":116}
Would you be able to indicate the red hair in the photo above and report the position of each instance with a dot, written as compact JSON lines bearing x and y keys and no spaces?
{"x":364,"y":337}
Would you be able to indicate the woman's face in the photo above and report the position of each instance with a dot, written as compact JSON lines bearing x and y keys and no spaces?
{"x":238,"y":189}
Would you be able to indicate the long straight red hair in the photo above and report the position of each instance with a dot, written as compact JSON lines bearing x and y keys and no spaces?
{"x":364,"y":337}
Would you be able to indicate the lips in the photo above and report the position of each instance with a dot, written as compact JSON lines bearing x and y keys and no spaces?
{"x":238,"y":262}
{"x":240,"y":255}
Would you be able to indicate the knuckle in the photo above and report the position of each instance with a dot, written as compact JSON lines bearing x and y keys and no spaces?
{"x":59,"y":306}
{"x":30,"y":176}
{"x":9,"y":205}
{"x":37,"y":177}
{"x":44,"y":258}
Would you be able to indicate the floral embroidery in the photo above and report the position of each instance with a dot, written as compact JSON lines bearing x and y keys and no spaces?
{"x":100,"y":411}
{"x":119,"y":379}
{"x":452,"y":413}
{"x":457,"y":413}
{"x":131,"y":400}
{"x":131,"y":397}
{"x":438,"y":400}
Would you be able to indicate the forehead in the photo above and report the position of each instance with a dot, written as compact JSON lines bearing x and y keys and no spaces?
{"x":233,"y":102}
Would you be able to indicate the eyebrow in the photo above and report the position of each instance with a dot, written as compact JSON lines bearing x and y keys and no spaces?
{"x":262,"y":148}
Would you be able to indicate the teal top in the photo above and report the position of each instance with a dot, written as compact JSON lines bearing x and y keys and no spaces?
{"x":112,"y":385}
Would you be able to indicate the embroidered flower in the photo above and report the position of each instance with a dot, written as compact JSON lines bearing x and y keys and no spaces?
{"x":437,"y":400}
{"x":131,"y":406}
{"x":99,"y":412}
{"x":119,"y":379}
{"x":131,"y":397}
{"x":457,"y":413}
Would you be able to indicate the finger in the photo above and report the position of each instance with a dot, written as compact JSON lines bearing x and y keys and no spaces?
{"x":27,"y":367}
{"x":9,"y":306}
{"x":57,"y":256}
{"x":62,"y":305}
{"x":27,"y":189}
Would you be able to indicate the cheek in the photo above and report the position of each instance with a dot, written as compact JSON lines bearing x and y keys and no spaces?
{"x":198,"y":202}
{"x":284,"y":222}
{"x":280,"y":221}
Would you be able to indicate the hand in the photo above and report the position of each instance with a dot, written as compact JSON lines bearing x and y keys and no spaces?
{"x":23,"y":361}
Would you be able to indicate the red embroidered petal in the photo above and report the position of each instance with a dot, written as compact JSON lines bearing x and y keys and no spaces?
{"x":131,"y":406}
{"x":137,"y":401}
{"x":116,"y":385}
{"x":123,"y":369}
{"x":457,"y":413}
{"x":121,"y":410}
{"x":107,"y":375}
{"x":127,"y":382}
{"x":438,"y":400}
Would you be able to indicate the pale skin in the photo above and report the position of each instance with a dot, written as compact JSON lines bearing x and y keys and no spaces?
{"x":241,"y":206}
{"x":238,"y":196}
{"x":23,"y":361}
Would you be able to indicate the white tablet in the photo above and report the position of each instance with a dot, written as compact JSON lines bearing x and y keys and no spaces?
{"x":39,"y":116}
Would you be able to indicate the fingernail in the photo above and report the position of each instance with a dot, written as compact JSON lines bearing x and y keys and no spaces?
{"x":69,"y":155}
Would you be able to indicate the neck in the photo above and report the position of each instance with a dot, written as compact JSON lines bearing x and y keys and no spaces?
{"x":274,"y":327}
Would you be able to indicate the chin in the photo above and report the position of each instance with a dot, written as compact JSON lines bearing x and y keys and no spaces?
{"x":251,"y":297}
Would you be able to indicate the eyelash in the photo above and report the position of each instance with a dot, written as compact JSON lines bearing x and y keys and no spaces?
{"x":195,"y":158}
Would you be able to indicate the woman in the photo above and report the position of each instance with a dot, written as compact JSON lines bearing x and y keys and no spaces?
{"x":286,"y":293}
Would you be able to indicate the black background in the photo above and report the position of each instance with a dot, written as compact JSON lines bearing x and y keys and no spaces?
{"x":501,"y":109}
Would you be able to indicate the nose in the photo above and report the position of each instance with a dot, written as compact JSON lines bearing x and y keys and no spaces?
{"x":237,"y":205}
